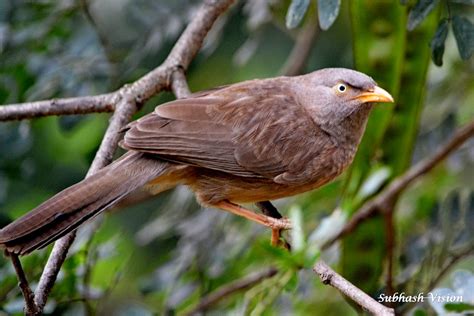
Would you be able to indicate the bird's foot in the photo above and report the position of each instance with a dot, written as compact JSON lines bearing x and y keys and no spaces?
{"x":277,"y":224}
{"x":278,"y":240}
{"x":267,"y":208}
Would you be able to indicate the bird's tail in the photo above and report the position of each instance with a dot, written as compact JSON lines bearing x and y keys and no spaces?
{"x":73,"y":206}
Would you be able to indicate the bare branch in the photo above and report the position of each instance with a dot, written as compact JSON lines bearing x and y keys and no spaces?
{"x":30,"y":306}
{"x":385,"y":198}
{"x":182,"y":53}
{"x":51,"y":270}
{"x":143,"y":89}
{"x":79,"y":105}
{"x":231,"y":288}
{"x":179,"y":86}
{"x":170,"y":74}
{"x":298,"y":57}
{"x":330,"y":277}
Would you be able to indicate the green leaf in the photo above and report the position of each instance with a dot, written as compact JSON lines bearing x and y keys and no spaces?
{"x":419,"y":12}
{"x":296,"y":12}
{"x":437,"y":43}
{"x":292,"y":283}
{"x":458,"y":307}
{"x":464,"y":34}
{"x":328,"y":10}
{"x":420,"y":312}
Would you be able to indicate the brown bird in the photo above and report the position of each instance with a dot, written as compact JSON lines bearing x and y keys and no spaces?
{"x":251,"y":142}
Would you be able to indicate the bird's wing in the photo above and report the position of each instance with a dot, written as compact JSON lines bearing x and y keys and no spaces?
{"x":253,"y":129}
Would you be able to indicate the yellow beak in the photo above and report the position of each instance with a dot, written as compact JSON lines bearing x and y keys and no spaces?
{"x":377,"y":95}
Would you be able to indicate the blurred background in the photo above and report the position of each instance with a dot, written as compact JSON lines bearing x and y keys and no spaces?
{"x":163,"y":255}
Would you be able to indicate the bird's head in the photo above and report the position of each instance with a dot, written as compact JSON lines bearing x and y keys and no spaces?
{"x":337,"y":94}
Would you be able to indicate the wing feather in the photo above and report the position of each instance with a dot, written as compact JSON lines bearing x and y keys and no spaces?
{"x":248,"y":130}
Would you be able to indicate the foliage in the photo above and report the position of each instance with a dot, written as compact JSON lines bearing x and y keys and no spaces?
{"x":162,"y":256}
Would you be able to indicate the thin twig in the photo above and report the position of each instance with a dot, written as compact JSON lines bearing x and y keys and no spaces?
{"x":330,"y":277}
{"x":231,"y":288}
{"x":383,"y":200}
{"x":67,"y":106}
{"x":298,"y":57}
{"x":30,"y":306}
{"x":130,"y":98}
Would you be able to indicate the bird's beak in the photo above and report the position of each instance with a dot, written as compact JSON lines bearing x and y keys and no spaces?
{"x":376,"y":95}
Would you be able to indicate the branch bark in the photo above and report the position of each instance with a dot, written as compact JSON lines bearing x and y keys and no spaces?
{"x":141,"y":90}
{"x":30,"y":307}
{"x":124,"y":102}
{"x":382,"y":202}
{"x":330,"y":277}
{"x":67,"y":106}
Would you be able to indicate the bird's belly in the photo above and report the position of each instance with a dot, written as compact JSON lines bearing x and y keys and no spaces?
{"x":270,"y":192}
{"x":210,"y":190}
{"x":212,"y":187}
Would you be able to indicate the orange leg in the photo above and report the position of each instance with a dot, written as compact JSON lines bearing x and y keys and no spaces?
{"x":276,"y":224}
{"x":276,"y":234}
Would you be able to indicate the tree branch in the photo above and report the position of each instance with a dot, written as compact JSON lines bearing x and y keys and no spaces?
{"x":231,"y":288}
{"x":330,"y":277}
{"x":385,"y":198}
{"x":30,"y":307}
{"x":143,"y":89}
{"x":179,"y":86}
{"x":170,"y":75}
{"x":67,"y":106}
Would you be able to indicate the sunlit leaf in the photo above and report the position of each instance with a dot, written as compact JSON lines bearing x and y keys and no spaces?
{"x":419,"y":12}
{"x":463,"y":31}
{"x":297,"y":234}
{"x":373,"y":183}
{"x":437,"y":43}
{"x":296,"y":12}
{"x":329,"y":227}
{"x":328,"y":10}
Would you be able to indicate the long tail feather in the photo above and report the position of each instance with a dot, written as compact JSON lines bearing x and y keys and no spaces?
{"x":73,"y":206}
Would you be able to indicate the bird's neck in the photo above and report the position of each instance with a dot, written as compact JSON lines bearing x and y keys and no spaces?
{"x":348,"y":130}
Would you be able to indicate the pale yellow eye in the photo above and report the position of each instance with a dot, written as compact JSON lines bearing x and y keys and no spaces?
{"x":341,"y":88}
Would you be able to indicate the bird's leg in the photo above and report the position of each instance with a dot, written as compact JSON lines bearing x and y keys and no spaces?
{"x":273,"y":223}
{"x":268,"y":209}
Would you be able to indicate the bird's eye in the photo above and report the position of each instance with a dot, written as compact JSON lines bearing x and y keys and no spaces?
{"x":341,"y":87}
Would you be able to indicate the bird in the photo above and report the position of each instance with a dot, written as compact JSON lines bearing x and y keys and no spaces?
{"x":248,"y":142}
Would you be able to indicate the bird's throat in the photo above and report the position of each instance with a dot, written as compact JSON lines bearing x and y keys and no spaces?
{"x":349,"y":130}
